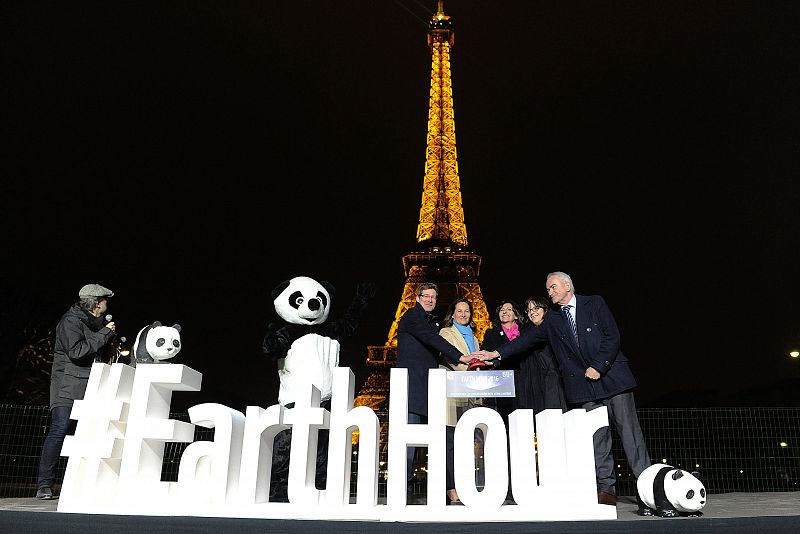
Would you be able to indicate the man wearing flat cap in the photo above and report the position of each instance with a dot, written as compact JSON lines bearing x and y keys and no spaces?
{"x":81,"y":337}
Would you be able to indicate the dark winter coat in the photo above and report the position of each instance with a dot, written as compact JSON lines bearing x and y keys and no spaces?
{"x":418,"y":348}
{"x":537,"y":379}
{"x":80,"y":340}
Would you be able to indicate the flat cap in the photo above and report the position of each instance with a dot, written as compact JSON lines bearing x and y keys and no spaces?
{"x":95,"y":290}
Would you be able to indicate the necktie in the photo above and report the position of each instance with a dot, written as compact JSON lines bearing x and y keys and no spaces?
{"x":571,"y":322}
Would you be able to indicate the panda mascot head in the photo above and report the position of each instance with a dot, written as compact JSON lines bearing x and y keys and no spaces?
{"x":671,"y":491}
{"x":156,"y":343}
{"x":303,"y":300}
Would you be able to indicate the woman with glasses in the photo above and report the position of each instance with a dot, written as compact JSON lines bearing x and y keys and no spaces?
{"x":541,"y":387}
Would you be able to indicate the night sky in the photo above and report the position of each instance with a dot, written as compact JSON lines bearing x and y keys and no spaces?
{"x":193,"y":155}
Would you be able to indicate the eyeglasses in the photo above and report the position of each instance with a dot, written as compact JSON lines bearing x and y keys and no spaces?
{"x":534,"y":309}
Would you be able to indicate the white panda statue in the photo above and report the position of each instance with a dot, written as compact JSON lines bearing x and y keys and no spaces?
{"x":670,"y":491}
{"x":155,"y":343}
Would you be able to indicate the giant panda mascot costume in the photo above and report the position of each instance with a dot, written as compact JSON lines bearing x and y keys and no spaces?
{"x":305,"y":347}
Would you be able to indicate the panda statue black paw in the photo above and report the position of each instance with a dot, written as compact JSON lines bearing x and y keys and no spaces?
{"x":669,"y":492}
{"x":156,"y":343}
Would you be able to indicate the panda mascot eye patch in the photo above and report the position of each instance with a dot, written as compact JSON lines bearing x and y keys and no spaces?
{"x":296,"y":299}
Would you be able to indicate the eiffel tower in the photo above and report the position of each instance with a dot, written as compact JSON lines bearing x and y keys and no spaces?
{"x":442,"y":256}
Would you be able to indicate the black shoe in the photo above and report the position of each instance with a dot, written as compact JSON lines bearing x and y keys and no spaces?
{"x":44,"y":493}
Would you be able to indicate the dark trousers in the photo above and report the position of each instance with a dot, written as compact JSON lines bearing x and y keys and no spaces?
{"x":413,"y":419}
{"x":60,"y":426}
{"x":622,"y":414}
{"x":281,"y":453}
{"x":450,"y":476}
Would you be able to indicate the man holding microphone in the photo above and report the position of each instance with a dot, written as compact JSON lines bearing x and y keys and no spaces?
{"x":81,"y":335}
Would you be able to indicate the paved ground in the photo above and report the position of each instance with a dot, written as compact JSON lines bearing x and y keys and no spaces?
{"x":730,"y":505}
{"x":720,"y":506}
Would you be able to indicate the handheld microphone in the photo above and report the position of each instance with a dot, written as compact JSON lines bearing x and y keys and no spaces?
{"x":109,"y":317}
{"x":121,"y":353}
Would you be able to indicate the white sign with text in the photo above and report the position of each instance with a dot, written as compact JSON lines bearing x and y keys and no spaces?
{"x":117,"y":452}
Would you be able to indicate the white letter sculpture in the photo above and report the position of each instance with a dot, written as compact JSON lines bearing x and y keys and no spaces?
{"x":117,"y":453}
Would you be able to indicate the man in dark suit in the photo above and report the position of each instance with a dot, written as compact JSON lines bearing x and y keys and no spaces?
{"x":418,"y":345}
{"x":586,"y":343}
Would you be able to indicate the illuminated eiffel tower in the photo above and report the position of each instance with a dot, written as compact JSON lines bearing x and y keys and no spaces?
{"x":441,"y":256}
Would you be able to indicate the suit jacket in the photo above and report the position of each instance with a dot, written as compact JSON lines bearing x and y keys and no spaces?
{"x":599,"y":341}
{"x":418,"y":348}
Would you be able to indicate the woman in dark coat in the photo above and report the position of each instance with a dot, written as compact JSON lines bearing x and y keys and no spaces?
{"x":540,"y":387}
{"x":508,"y":326}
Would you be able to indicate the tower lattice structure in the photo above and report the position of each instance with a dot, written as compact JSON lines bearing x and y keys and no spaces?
{"x":442,"y":256}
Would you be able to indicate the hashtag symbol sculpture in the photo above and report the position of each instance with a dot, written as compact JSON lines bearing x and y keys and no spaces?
{"x":95,"y":450}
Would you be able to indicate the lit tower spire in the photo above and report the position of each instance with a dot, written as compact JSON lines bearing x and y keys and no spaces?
{"x":441,"y":217}
{"x":441,"y":234}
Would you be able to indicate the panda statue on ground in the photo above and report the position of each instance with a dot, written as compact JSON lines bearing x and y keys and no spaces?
{"x":670,"y":491}
{"x":156,"y":343}
{"x":305,"y":347}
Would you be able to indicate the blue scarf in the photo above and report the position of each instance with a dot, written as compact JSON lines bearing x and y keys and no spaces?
{"x":466,"y":331}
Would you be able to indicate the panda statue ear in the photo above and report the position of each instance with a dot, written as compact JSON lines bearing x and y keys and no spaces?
{"x":329,"y":288}
{"x":155,"y":324}
{"x":177,"y":327}
{"x":279,"y":289}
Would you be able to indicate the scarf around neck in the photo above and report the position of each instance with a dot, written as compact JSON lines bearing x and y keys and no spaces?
{"x":512,"y":332}
{"x":466,"y":331}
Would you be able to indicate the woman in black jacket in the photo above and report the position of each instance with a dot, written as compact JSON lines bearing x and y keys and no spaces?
{"x":540,"y":387}
{"x":508,"y":326}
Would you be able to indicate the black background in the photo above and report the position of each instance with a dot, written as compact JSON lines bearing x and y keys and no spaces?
{"x":192,"y":155}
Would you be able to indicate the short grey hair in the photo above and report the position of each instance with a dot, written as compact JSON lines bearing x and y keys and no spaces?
{"x":564,"y":277}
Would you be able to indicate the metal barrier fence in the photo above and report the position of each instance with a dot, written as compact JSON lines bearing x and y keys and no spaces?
{"x":733,"y":449}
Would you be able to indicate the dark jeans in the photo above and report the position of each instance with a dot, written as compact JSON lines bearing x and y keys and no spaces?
{"x":60,"y":426}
